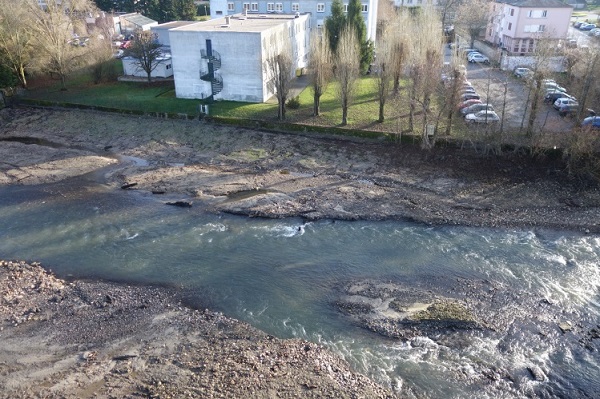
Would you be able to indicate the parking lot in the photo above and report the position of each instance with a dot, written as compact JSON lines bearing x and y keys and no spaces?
{"x":490,"y":82}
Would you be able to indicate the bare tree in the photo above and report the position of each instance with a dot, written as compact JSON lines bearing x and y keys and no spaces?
{"x":145,"y":50}
{"x":347,"y":68}
{"x":54,"y":28}
{"x":447,"y":11}
{"x":400,"y":43}
{"x":425,"y":67}
{"x":383,"y":69}
{"x":16,"y":40}
{"x":320,"y":65}
{"x":472,"y":18}
{"x":280,"y":68}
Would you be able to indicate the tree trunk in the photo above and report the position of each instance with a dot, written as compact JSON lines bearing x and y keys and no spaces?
{"x":316,"y":104}
{"x":534,"y":107}
{"x":381,"y":110}
{"x":22,"y":77}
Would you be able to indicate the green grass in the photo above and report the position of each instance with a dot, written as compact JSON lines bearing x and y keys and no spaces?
{"x":160,"y":98}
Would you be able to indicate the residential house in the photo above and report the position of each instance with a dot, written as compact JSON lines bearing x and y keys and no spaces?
{"x":227,"y":58}
{"x":127,"y":23}
{"x":518,"y":25}
{"x":319,"y":10}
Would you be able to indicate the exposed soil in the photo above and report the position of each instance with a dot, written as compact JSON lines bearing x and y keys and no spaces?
{"x":83,"y":339}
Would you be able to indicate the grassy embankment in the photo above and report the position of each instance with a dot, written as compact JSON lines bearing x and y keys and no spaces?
{"x":159,"y":98}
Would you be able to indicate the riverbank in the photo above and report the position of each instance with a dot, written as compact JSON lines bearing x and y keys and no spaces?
{"x":117,"y":340}
{"x":95,"y":339}
{"x":261,"y":174}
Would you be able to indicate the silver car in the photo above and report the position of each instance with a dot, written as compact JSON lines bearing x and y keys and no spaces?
{"x":485,"y":116}
{"x":471,"y":109}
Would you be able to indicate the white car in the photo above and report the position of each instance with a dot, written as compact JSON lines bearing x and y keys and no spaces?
{"x":476,"y":57}
{"x":485,"y":116}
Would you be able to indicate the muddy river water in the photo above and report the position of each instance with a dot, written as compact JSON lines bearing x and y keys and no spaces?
{"x":285,"y":276}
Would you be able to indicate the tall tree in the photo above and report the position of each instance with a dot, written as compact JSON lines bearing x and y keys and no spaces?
{"x":472,"y":18}
{"x":384,"y":68}
{"x":356,"y":20}
{"x":54,"y":28}
{"x":280,"y":68}
{"x":347,"y":68}
{"x":185,"y":10}
{"x":320,"y":66}
{"x":145,"y":50}
{"x":16,"y":40}
{"x":335,"y":23}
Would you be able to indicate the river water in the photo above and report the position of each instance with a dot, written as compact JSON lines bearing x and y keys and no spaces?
{"x":284,"y":276}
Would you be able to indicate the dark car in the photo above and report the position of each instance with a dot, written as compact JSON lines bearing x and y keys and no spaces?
{"x":470,"y":96}
{"x":552,"y":96}
{"x":592,"y":121}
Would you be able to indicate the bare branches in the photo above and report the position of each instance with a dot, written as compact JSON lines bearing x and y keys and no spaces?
{"x":280,"y":68}
{"x":347,"y":68}
{"x":321,"y":68}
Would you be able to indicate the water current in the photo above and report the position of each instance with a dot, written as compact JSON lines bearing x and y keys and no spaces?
{"x":284,"y":276}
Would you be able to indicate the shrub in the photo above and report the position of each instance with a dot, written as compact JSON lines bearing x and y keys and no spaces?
{"x":293,"y":103}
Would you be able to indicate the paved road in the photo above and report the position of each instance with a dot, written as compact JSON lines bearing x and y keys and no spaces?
{"x":490,"y":83}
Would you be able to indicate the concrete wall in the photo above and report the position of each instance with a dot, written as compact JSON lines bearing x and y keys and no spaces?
{"x":219,"y":8}
{"x":163,"y":70}
{"x":243,"y":59}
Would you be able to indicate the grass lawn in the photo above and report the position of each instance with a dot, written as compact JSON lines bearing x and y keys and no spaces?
{"x":160,"y":97}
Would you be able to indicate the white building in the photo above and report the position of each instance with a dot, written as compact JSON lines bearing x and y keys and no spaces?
{"x":163,"y":68}
{"x":318,"y":9}
{"x":227,"y":57}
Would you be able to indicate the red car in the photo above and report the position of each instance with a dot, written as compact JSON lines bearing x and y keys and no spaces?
{"x":468,"y":103}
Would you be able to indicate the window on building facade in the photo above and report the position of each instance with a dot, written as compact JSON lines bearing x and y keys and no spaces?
{"x":419,"y":1}
{"x":254,"y":7}
{"x":409,"y":1}
{"x":295,"y":7}
{"x":537,"y":13}
{"x":279,"y":7}
{"x":512,"y":12}
{"x":364,"y":8}
{"x":270,"y":7}
{"x":321,"y":7}
{"x":230,"y":7}
{"x":345,"y":7}
{"x":509,"y":25}
{"x":246,"y":7}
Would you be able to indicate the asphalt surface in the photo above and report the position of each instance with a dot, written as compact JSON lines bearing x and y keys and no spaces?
{"x":506,"y":92}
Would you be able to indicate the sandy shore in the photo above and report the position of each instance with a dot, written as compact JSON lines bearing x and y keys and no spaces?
{"x":83,"y":339}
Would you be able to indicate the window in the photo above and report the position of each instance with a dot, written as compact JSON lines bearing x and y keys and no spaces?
{"x":279,"y":7}
{"x":219,"y":12}
{"x":509,"y":25}
{"x":542,"y":28}
{"x":320,"y":7}
{"x":364,"y":8}
{"x":537,"y":13}
{"x":295,"y":7}
{"x":254,"y":7}
{"x":270,"y":7}
{"x":345,"y":7}
{"x":409,"y":1}
{"x":246,"y":6}
{"x":512,"y":12}
{"x":419,"y":1}
{"x":230,"y":7}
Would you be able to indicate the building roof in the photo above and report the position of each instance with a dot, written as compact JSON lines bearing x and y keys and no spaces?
{"x":137,"y":19}
{"x":536,"y":3}
{"x":240,"y":23}
{"x":173,"y":24}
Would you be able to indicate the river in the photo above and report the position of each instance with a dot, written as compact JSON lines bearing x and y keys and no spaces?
{"x":284,"y":277}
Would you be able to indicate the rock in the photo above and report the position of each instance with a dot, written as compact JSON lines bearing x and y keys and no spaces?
{"x":537,"y":373}
{"x":181,"y":204}
{"x":565,"y":326}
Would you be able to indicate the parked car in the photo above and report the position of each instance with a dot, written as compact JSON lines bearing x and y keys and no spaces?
{"x":469,"y":96}
{"x":471,"y":109}
{"x":592,"y":121}
{"x":467,"y":51}
{"x":467,"y":89}
{"x":587,"y":26}
{"x":479,"y":58}
{"x":577,"y":24}
{"x":548,"y":86}
{"x":592,"y":32}
{"x":566,"y":106}
{"x":485,"y":116}
{"x":554,"y":95}
{"x":523,"y":72}
{"x":468,"y":103}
